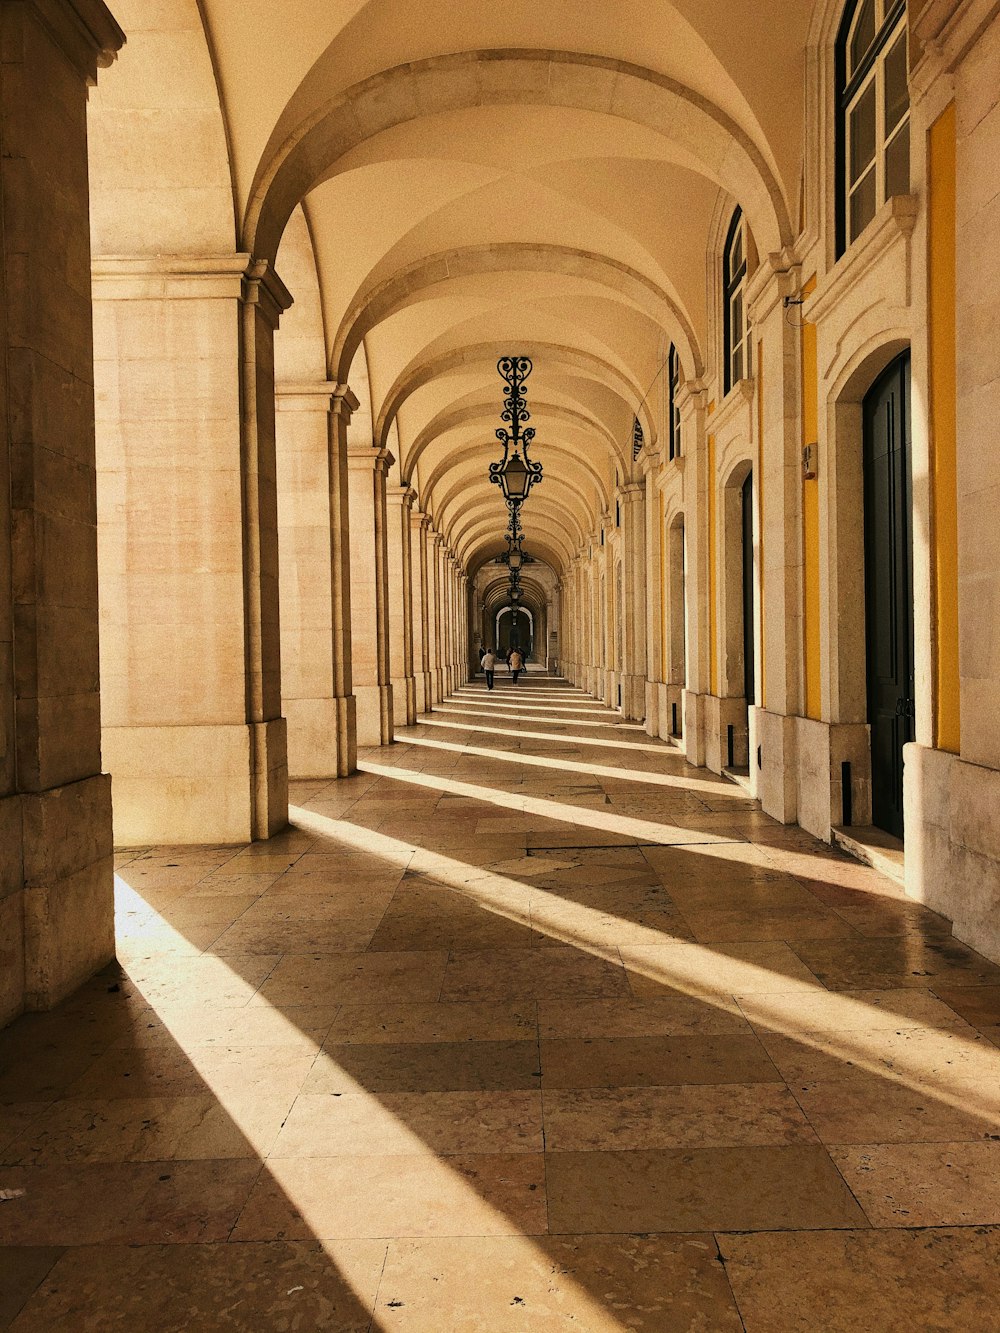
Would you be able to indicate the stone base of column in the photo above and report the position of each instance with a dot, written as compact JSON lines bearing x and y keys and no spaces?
{"x":670,"y":712}
{"x":597,"y":683}
{"x":821,"y":749}
{"x":438,"y":674}
{"x":725,"y":749}
{"x":374,"y":714}
{"x":269,"y":746}
{"x":404,"y":700}
{"x":314,"y":737}
{"x":347,"y":734}
{"x":652,"y":713}
{"x":425,"y":691}
{"x":57,"y":910}
{"x":952,"y":860}
{"x":633,"y":702}
{"x":193,"y":784}
{"x":694,"y":727}
{"x":775,"y":776}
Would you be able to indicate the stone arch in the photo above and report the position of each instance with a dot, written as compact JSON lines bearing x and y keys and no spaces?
{"x":842,"y":542}
{"x":702,"y":134}
{"x":369,"y":308}
{"x":417,"y":374}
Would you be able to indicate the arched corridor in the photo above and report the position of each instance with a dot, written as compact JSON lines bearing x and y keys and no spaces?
{"x":526,"y":1025}
{"x":498,"y":556}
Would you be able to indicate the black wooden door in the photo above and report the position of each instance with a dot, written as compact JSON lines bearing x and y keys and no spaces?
{"x":748,"y":635}
{"x":889,"y":587}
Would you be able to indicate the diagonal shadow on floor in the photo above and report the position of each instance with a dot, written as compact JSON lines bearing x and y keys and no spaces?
{"x":546,"y":1069}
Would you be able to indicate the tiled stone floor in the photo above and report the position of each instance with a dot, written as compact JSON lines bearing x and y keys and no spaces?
{"x":528,"y":1026}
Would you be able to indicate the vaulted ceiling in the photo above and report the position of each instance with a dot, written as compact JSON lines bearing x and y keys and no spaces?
{"x":444,"y":183}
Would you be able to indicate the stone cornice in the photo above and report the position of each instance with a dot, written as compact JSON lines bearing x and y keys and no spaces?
{"x":894,"y":221}
{"x":304,"y":397}
{"x":190,"y":277}
{"x":778,"y":276}
{"x":84,"y":30}
{"x":650,"y":458}
{"x":738,"y":399}
{"x":344,"y":402}
{"x":946,"y":31}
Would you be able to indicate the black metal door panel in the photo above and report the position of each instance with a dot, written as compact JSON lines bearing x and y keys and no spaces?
{"x":889,"y":587}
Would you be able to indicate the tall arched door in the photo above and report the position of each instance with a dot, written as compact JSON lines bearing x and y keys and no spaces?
{"x":889,"y":587}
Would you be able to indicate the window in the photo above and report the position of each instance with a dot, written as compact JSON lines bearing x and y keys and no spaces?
{"x":673,"y":411}
{"x":736,"y":330}
{"x":637,"y":438}
{"x":873,"y":157}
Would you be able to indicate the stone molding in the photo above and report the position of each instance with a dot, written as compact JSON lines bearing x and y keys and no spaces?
{"x":84,"y":30}
{"x":738,"y":399}
{"x":894,"y":221}
{"x":189,"y":277}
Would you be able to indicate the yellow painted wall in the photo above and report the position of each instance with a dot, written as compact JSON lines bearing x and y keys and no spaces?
{"x":810,"y":520}
{"x":941,"y":287}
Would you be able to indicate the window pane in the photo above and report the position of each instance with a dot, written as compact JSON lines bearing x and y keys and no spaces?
{"x":863,"y":204}
{"x":736,"y":318}
{"x":897,"y":164}
{"x":896,"y":94}
{"x":737,"y":364}
{"x":862,"y":133}
{"x":736,"y":254}
{"x":863,"y":35}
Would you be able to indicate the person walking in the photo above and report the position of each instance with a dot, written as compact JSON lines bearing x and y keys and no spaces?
{"x":516,"y":664}
{"x":489,"y":666}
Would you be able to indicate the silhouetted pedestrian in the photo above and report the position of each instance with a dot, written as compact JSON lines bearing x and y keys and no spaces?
{"x":489,"y":665}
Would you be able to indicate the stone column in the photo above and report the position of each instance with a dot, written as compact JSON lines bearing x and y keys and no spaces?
{"x":694,"y":431}
{"x":649,"y":460}
{"x":307,"y":695}
{"x":342,"y":405}
{"x":367,"y":469}
{"x":188,"y":547}
{"x":435,"y":544}
{"x":399,"y":500}
{"x":633,"y":599}
{"x":56,"y":885}
{"x":421,"y":606}
{"x":773,"y":724}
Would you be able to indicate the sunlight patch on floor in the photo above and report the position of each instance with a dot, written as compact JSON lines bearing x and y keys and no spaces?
{"x":455,"y":1208}
{"x":840,"y":1026}
{"x":660,"y":750}
{"x":716,"y":787}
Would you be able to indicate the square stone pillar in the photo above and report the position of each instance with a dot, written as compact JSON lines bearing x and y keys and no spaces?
{"x":436,"y":559}
{"x":311,"y":419}
{"x":649,"y":461}
{"x":56,"y":877}
{"x":632,"y":499}
{"x":399,"y":501}
{"x":188,"y":544}
{"x":419,"y":524}
{"x":367,"y":469}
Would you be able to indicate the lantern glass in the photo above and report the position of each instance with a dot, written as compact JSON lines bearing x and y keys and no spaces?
{"x":516,"y":559}
{"x":514,"y":479}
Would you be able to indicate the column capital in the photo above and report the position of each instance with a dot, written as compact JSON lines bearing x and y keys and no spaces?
{"x":649,"y":458}
{"x":262,"y":287}
{"x":304,"y":397}
{"x":344,"y":402}
{"x":420,"y":520}
{"x":379,"y":460}
{"x":778,"y":275}
{"x":85,"y":31}
{"x":632,"y":491}
{"x":401,"y":495}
